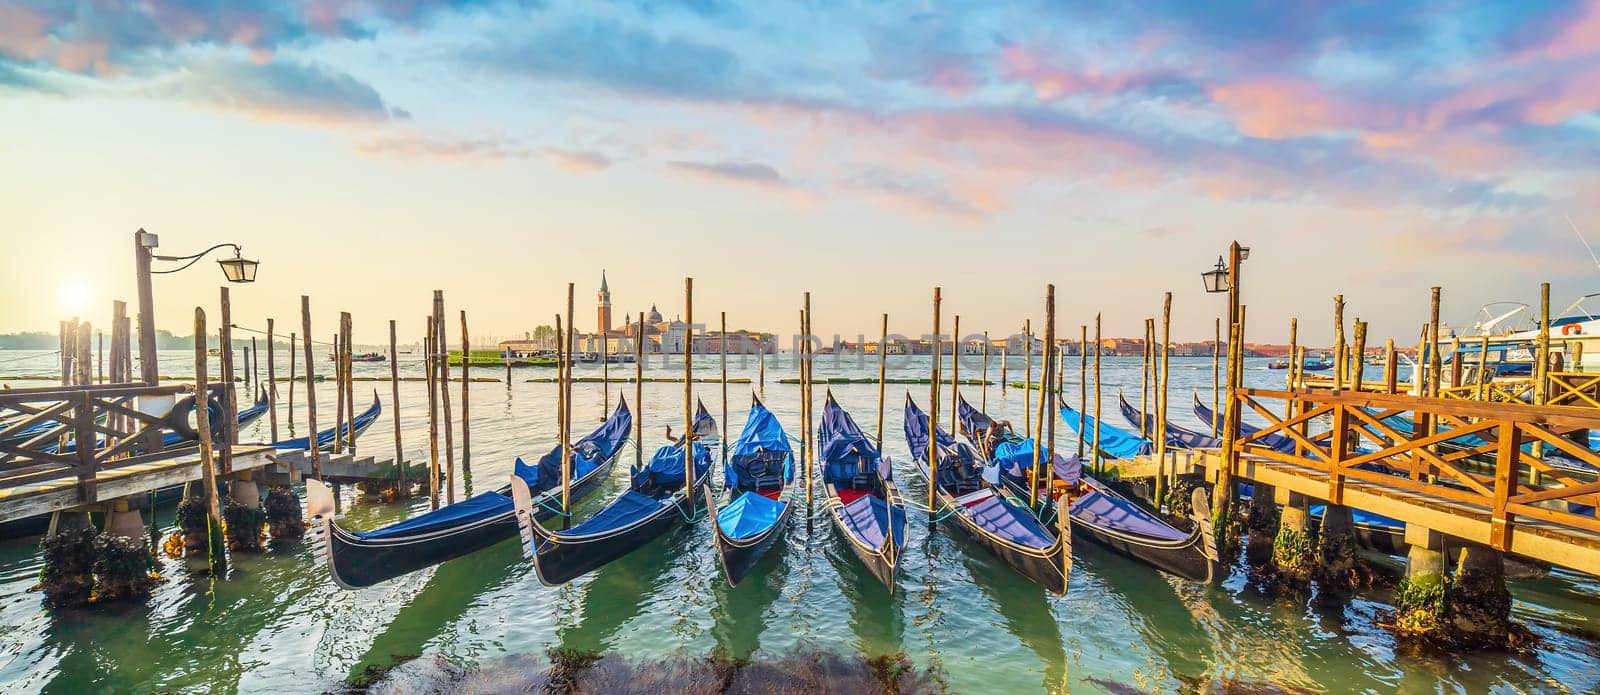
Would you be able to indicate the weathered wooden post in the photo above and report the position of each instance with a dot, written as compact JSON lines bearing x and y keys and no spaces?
{"x":688,"y":394}
{"x":883,"y":348}
{"x":569,"y":350}
{"x":983,"y":400}
{"x":722,"y":350}
{"x":1027,"y":381}
{"x":805,"y":396}
{"x":311,"y":389}
{"x":272,"y":381}
{"x":1216,"y":378}
{"x":432,"y":379}
{"x":563,"y":356}
{"x":1434,"y":358}
{"x":293,"y":348}
{"x":208,"y":473}
{"x":230,"y":401}
{"x":1165,"y":379}
{"x":638,"y":395}
{"x":955,"y":366}
{"x":1005,"y":360}
{"x":443,"y":365}
{"x":933,"y":413}
{"x":1339,"y":357}
{"x":1083,"y":384}
{"x":1096,"y":467}
{"x":402,"y":491}
{"x":466,"y":422}
{"x":1391,"y":368}
{"x":1359,"y":353}
{"x":1047,"y":413}
{"x":338,"y":387}
{"x":1146,"y":367}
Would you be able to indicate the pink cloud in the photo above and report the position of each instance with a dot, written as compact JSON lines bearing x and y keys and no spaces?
{"x":579,"y":161}
{"x":1050,"y":81}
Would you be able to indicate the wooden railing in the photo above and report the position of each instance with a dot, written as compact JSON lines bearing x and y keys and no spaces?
{"x":77,"y":431}
{"x":1498,"y":391}
{"x":1464,"y":451}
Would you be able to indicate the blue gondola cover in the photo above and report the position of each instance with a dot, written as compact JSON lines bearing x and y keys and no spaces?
{"x":749,"y":515}
{"x":762,"y":447}
{"x":1114,"y":442}
{"x":842,"y":447}
{"x":664,"y":472}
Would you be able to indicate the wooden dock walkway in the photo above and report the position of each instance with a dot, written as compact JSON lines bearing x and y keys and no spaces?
{"x":1420,"y":460}
{"x":32,"y":497}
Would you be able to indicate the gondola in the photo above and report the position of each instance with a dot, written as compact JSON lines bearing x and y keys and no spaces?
{"x":1177,"y":435}
{"x":654,"y":503}
{"x":180,"y":433}
{"x":1001,"y":525}
{"x":325,"y":437}
{"x":760,"y":499}
{"x":1098,"y":512}
{"x":1276,"y":442}
{"x":358,"y":559}
{"x":862,"y":497}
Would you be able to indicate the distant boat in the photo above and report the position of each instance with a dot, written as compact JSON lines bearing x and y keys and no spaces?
{"x":214,"y":352}
{"x":1317,"y":365}
{"x":360,"y":357}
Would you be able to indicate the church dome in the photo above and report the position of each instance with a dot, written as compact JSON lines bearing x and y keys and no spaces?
{"x":654,"y":316}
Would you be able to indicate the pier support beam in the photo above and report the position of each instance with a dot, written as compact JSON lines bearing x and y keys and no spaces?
{"x":1339,"y":569}
{"x":68,"y":575}
{"x":1419,"y":600}
{"x":1292,"y":556}
{"x":244,"y":515}
{"x":1261,"y":525}
{"x":125,"y":521}
{"x":283,"y":514}
{"x":1479,"y":605}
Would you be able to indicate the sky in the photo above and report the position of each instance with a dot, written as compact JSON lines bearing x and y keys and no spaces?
{"x":368,"y":152}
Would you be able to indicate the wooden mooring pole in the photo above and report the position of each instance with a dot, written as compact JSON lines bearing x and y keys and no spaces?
{"x":688,"y":393}
{"x":933,"y":412}
{"x":883,"y":349}
{"x":466,"y":422}
{"x":638,"y":395}
{"x":983,"y":398}
{"x":272,"y":381}
{"x":722,"y":350}
{"x":1027,"y":380}
{"x":1096,"y":466}
{"x":1083,"y":383}
{"x":443,"y":364}
{"x":562,"y":358}
{"x":208,"y":473}
{"x":230,"y":399}
{"x":401,"y":490}
{"x":432,"y":380}
{"x":1163,"y":378}
{"x":1048,"y":413}
{"x":311,"y":391}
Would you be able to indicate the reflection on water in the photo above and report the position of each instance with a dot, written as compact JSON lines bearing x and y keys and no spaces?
{"x":276,"y":623}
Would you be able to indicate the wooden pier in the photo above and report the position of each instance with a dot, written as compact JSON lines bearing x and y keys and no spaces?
{"x":1461,"y":470}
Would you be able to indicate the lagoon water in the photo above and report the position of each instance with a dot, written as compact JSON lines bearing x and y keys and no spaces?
{"x":276,"y":623}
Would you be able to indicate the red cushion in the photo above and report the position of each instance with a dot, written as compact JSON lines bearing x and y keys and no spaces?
{"x":771,"y":494}
{"x":847,"y":495}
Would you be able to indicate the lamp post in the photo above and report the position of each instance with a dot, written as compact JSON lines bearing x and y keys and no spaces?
{"x":237,"y":270}
{"x":1225,"y":278}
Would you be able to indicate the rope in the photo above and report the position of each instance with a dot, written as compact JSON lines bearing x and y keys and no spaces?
{"x":552,"y":510}
{"x":31,"y":357}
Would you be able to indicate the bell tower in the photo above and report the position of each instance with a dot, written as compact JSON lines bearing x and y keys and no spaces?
{"x":604,"y":316}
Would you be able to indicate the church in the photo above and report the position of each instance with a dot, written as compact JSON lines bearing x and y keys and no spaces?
{"x":616,"y":335}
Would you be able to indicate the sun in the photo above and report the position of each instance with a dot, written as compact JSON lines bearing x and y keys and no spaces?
{"x":75,"y":296}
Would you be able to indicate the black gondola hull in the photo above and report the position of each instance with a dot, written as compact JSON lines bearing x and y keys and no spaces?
{"x":1185,"y":558}
{"x":359,"y":563}
{"x":738,"y":556}
{"x":882,"y":561}
{"x":560,"y":560}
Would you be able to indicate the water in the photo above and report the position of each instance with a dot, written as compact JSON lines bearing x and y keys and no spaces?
{"x":277,"y":623}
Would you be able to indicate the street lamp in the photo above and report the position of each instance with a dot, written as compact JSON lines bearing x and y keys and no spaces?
{"x":1216,"y":279}
{"x":237,"y":270}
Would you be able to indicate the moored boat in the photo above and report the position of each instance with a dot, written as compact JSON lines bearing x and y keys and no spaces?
{"x":658,"y":499}
{"x":861,"y":495}
{"x":325,"y":437}
{"x":1007,"y":529}
{"x":1177,"y":435}
{"x":1098,"y":512}
{"x":358,"y":559}
{"x":757,"y":479}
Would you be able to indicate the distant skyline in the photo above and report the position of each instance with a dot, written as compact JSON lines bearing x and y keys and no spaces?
{"x":368,"y":153}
